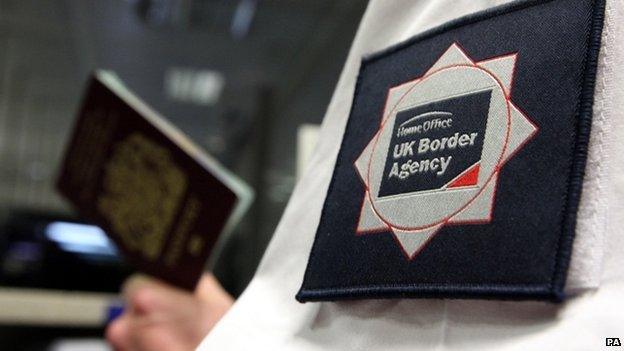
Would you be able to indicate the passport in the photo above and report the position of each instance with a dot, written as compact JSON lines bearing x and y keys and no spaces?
{"x":157,"y":195}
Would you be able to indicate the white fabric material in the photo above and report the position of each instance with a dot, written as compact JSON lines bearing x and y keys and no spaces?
{"x":267,"y":317}
{"x":588,"y":250}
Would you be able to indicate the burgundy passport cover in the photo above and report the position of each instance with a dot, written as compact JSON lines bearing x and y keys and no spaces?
{"x":137,"y":177}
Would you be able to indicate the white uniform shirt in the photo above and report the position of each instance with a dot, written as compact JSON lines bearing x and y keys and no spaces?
{"x":267,"y":316}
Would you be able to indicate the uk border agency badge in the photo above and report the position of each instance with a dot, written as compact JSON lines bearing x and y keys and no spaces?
{"x":461,"y":166}
{"x":442,"y":141}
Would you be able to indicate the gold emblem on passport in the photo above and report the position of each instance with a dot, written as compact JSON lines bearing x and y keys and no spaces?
{"x":142,"y":190}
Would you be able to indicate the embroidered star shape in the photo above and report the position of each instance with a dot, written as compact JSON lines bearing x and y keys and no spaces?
{"x":414,"y":217}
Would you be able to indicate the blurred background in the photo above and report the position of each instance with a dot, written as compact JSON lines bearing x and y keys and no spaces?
{"x":248,"y":80}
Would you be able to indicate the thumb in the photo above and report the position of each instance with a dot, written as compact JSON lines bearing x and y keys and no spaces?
{"x":146,"y":295}
{"x":138,"y":292}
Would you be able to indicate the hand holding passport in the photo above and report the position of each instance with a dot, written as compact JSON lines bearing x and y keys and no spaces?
{"x":161,"y":199}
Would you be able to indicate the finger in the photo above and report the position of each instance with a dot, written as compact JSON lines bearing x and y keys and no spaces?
{"x":155,"y":298}
{"x":142,"y":295}
{"x":144,"y":301}
{"x":117,"y":333}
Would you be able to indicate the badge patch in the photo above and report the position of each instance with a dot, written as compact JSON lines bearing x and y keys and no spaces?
{"x":436,"y":157}
{"x":461,"y":165}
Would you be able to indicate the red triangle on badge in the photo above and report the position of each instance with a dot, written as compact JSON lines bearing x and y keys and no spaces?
{"x":470,"y":177}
